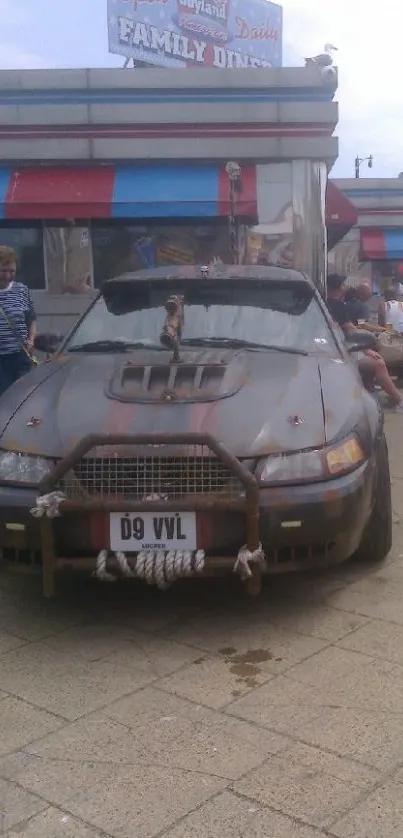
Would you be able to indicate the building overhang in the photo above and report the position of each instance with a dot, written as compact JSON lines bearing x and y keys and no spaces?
{"x":341,"y":214}
{"x":108,"y":116}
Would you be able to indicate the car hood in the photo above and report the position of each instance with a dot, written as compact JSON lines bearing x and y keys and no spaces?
{"x":272,"y":402}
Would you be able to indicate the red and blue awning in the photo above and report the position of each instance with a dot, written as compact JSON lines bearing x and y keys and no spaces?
{"x":131,"y":192}
{"x":154,"y":191}
{"x":382,"y":245}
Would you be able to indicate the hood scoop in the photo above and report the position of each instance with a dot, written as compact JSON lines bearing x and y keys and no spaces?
{"x":191,"y":380}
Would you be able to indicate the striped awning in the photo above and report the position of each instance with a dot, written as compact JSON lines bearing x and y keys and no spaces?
{"x":381,"y":245}
{"x":341,"y":214}
{"x":132,"y":192}
{"x":339,"y":209}
{"x":154,"y":191}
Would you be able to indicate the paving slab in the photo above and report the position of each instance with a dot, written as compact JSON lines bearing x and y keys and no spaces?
{"x":95,"y":738}
{"x":350,"y":679}
{"x":216,"y":681}
{"x":64,"y":684}
{"x":378,"y":815}
{"x":283,"y":705}
{"x":143,"y":802}
{"x":316,"y":620}
{"x":377,"y":638}
{"x":153,"y":654}
{"x":54,"y":823}
{"x":16,"y":805}
{"x":54,"y":780}
{"x":247,"y":653}
{"x":9,"y":641}
{"x":374,"y":596}
{"x":22,"y":723}
{"x":155,"y":728}
{"x":229,"y":816}
{"x":374,"y":738}
{"x":231,"y":635}
{"x":308,"y":784}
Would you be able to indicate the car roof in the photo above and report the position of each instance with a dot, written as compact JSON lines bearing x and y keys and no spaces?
{"x":262,"y":272}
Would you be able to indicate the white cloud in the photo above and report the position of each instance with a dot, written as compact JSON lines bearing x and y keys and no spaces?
{"x":14,"y":58}
{"x":15,"y":20}
{"x":13,"y":14}
{"x":370,"y":95}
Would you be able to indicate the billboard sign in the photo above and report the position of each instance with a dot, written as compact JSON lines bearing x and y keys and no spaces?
{"x":197,"y":33}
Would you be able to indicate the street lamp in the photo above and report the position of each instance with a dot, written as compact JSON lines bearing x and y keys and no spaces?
{"x":360,"y":160}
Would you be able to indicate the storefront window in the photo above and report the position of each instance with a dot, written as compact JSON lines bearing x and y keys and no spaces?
{"x":120,"y":249}
{"x":270,"y":249}
{"x":76,"y":258}
{"x":68,"y":259}
{"x":28,"y":244}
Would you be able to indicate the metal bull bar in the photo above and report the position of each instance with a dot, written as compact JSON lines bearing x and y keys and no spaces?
{"x":247,"y":504}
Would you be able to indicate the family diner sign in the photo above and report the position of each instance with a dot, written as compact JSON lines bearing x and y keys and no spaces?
{"x":197,"y":33}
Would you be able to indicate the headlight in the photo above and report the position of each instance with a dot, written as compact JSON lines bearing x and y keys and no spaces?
{"x":306,"y":466}
{"x":23,"y":468}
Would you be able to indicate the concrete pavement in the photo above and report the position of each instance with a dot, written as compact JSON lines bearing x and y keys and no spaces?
{"x":135,"y":714}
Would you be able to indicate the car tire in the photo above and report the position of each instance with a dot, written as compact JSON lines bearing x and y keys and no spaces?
{"x":376,"y":542}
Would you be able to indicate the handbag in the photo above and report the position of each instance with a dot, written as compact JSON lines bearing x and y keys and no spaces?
{"x":34,"y":361}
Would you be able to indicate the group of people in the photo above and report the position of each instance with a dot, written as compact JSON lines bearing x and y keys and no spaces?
{"x":350,"y":310}
{"x":389,"y":309}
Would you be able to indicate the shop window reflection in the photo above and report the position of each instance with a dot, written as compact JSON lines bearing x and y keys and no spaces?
{"x":68,"y":259}
{"x":28,"y":245}
{"x":119,"y":249}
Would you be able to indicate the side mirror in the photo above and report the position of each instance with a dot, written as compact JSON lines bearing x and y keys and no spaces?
{"x":48,"y":343}
{"x":360,"y":340}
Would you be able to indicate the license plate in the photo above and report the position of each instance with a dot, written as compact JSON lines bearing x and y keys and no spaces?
{"x":135,"y":531}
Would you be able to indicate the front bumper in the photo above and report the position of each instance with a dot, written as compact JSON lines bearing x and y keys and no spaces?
{"x":300,"y":527}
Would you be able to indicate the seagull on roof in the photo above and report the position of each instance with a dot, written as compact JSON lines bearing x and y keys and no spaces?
{"x":324,"y":59}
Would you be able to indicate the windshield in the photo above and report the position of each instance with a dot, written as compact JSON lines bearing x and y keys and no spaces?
{"x":276,"y":314}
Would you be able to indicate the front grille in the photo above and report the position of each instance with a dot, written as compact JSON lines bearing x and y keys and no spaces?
{"x":142,"y":477}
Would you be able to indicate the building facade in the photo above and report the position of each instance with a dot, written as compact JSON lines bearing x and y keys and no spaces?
{"x":373,"y":249}
{"x":107,"y":171}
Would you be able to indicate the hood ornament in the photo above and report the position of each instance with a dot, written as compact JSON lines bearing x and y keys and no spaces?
{"x":171,"y":334}
{"x":33,"y":422}
{"x":296,"y":420}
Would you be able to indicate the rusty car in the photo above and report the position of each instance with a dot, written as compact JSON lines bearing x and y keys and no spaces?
{"x":195,"y":421}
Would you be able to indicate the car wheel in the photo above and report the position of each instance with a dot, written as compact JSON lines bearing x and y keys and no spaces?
{"x":376,"y":542}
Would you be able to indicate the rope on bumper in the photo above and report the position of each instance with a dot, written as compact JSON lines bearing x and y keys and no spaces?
{"x":101,"y":571}
{"x":156,"y":567}
{"x":125,"y":569}
{"x":247,"y":557}
{"x":163,"y":568}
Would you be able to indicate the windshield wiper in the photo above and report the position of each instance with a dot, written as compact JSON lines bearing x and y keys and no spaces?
{"x":242,"y":344}
{"x":114,"y":346}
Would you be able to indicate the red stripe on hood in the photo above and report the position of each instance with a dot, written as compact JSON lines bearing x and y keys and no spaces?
{"x":120,"y":418}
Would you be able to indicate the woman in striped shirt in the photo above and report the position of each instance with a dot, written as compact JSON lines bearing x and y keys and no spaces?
{"x":17,"y":322}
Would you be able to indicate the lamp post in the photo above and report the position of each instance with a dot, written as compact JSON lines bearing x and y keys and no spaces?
{"x":360,"y":160}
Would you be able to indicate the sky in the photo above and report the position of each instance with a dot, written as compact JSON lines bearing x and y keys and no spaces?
{"x":73,"y":33}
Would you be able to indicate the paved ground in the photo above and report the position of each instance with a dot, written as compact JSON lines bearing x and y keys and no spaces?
{"x":199,"y":713}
